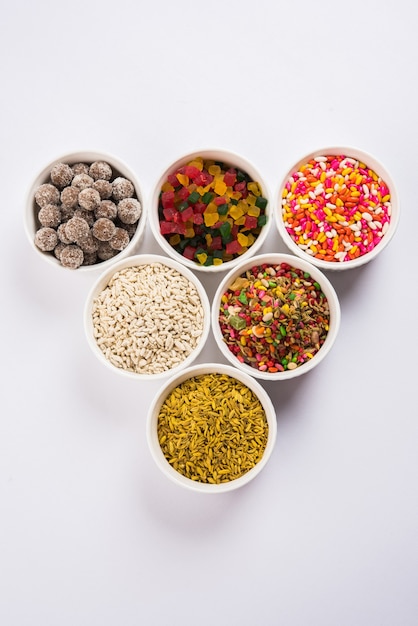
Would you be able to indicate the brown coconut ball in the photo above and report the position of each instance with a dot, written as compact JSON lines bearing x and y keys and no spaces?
{"x":129,"y":210}
{"x":120,"y":239}
{"x":47,"y":194}
{"x":90,"y":258}
{"x":82,"y":181}
{"x":46,"y":239}
{"x":89,"y":199}
{"x":88,"y":244}
{"x":61,"y":175}
{"x":100,"y":169}
{"x":105,"y":251}
{"x":76,"y":229}
{"x":122,"y":188}
{"x":80,"y":168}
{"x":50,"y":215}
{"x":61,"y":234}
{"x":107,"y":209}
{"x":103,"y":229}
{"x":85,"y":215}
{"x":58,"y":249}
{"x":71,"y":256}
{"x":104,"y":187}
{"x":69,"y":196}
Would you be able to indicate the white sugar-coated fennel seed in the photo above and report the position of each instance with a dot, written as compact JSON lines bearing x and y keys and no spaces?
{"x":148,"y":318}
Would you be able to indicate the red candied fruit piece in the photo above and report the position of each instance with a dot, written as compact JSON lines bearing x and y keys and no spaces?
{"x":187,"y":214}
{"x":173,"y":180}
{"x":233,"y":247}
{"x":219,"y":200}
{"x":167,"y":199}
{"x":170,"y":214}
{"x":197,"y":218}
{"x":230,"y":177}
{"x":216,"y":243}
{"x":199,"y":207}
{"x":204,"y":178}
{"x":189,"y":252}
{"x":167,"y":228}
{"x":191,"y":171}
{"x":183,"y":193}
{"x":250,"y":222}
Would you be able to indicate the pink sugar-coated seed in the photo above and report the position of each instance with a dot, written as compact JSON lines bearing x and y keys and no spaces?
{"x":309,"y":210}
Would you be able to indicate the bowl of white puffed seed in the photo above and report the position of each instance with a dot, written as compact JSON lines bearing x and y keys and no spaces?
{"x":147,"y":316}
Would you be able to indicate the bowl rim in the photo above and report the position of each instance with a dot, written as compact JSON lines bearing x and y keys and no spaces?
{"x":227,"y":156}
{"x":373,"y":163}
{"x":132,"y":261}
{"x":327,"y":288}
{"x":152,"y":438}
{"x":76,"y":156}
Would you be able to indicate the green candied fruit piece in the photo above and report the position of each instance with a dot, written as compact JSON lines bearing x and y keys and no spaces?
{"x":261,"y":202}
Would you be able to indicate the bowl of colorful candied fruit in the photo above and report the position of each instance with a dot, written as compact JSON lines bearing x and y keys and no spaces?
{"x":85,"y":210}
{"x":275,"y":316}
{"x":211,"y":428}
{"x":210,"y":209}
{"x":337,"y":208}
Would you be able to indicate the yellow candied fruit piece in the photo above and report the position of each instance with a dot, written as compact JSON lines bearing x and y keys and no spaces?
{"x":203,"y":190}
{"x":183,"y":179}
{"x":211,"y":208}
{"x":236,"y":212}
{"x":215,"y":170}
{"x":242,"y":239}
{"x":251,"y":239}
{"x":197,"y":162}
{"x":217,"y":261}
{"x":202,"y":257}
{"x":210,"y":218}
{"x":189,"y":233}
{"x":240,"y":221}
{"x":208,"y":238}
{"x":254,"y":187}
{"x":208,"y":163}
{"x":235,"y":195}
{"x":220,"y":187}
{"x":254,"y":211}
{"x":167,"y":186}
{"x":251,"y":200}
{"x":174,"y":239}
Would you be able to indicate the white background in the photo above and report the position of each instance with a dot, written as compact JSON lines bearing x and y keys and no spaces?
{"x":91,"y":533}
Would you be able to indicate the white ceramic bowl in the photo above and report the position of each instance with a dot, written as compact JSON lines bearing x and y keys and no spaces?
{"x":327,"y":289}
{"x":152,"y":422}
{"x":232,"y":160}
{"x":362,"y":218}
{"x":146,"y":326}
{"x":31,"y":222}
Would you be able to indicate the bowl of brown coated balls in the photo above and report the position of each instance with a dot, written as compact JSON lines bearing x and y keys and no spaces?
{"x":84,"y":210}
